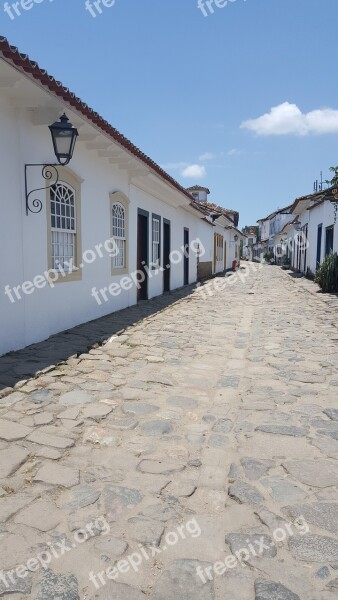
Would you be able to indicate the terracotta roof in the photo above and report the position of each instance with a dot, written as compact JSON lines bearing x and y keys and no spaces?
{"x":198,"y":188}
{"x":286,"y":210}
{"x":220,"y":210}
{"x":33,"y":71}
{"x":328,"y":196}
{"x":316,"y":196}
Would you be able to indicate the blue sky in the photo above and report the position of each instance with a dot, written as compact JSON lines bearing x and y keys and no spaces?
{"x":188,"y":89}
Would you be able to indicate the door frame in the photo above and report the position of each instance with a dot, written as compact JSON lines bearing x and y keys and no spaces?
{"x":166,"y":267}
{"x":319,"y":244}
{"x":186,"y":256}
{"x":145,"y":214}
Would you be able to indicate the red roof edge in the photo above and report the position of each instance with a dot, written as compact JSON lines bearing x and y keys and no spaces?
{"x":30,"y":68}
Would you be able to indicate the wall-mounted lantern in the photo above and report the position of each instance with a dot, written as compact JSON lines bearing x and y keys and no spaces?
{"x":236,"y":237}
{"x":64,"y":137}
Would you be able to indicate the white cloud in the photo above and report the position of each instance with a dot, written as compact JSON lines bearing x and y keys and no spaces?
{"x":205,"y":157}
{"x":287,"y":119}
{"x":234,"y":152}
{"x":194,"y":172}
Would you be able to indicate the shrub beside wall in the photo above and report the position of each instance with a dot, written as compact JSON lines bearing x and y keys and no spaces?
{"x":327,"y":274}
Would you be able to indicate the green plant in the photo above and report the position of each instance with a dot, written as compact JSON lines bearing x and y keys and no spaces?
{"x":327,"y":274}
{"x":334,"y":184}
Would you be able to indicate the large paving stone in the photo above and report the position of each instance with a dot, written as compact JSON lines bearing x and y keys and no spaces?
{"x":270,"y":590}
{"x":40,"y":397}
{"x":157,"y":427}
{"x":96,"y":411}
{"x":48,"y":439}
{"x":15,"y":585}
{"x":55,"y":474}
{"x":146,"y":531}
{"x":180,"y":581}
{"x":118,"y":591}
{"x":321,"y":514}
{"x":317,"y":473}
{"x":12,"y":504}
{"x":255,"y":468}
{"x":76,"y":397}
{"x":332,"y":413}
{"x":58,"y":587}
{"x":159,"y":467}
{"x":282,"y":490}
{"x":333,"y":585}
{"x":245,"y":541}
{"x":216,"y":440}
{"x":80,"y":497}
{"x":118,"y":499}
{"x":223,"y":426}
{"x":291,"y":430}
{"x":139,"y":408}
{"x":11,"y":459}
{"x":43,"y":516}
{"x":10,"y":431}
{"x":314,"y":548}
{"x":245,"y":493}
{"x":123,"y":424}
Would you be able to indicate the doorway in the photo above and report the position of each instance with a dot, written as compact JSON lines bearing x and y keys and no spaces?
{"x":329,"y":240}
{"x":186,"y":256}
{"x":319,"y":244}
{"x":166,"y":255}
{"x":142,"y":252}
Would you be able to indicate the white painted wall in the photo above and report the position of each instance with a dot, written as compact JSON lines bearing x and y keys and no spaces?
{"x":322,"y":214}
{"x":23,"y":239}
{"x":264,"y":229}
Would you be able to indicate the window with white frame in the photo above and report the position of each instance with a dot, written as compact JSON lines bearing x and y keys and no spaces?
{"x":119,"y":235}
{"x":156,"y":241}
{"x":63,"y":227}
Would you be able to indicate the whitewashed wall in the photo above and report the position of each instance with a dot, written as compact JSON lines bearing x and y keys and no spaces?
{"x":23,"y":239}
{"x":322,"y":214}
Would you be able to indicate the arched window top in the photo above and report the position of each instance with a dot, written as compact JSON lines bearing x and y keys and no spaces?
{"x":62,"y":207}
{"x":118,"y":220}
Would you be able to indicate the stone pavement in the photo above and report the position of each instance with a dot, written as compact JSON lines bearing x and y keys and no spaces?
{"x":192,"y":457}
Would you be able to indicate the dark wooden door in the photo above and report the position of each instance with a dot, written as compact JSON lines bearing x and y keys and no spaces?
{"x":329,"y":241}
{"x":142,"y":256}
{"x":319,"y":244}
{"x":186,"y":256}
{"x":166,"y":256}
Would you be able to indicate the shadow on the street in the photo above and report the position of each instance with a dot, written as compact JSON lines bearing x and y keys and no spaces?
{"x":26,"y":363}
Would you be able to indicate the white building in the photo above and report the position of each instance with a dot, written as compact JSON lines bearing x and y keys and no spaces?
{"x":224,"y":253}
{"x":110,"y":229}
{"x":249,"y":242}
{"x":317,"y":233}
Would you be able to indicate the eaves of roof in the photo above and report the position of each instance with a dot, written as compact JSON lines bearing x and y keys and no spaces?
{"x":34,"y":72}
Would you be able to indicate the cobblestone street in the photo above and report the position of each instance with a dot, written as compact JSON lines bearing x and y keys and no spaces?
{"x":194,"y":456}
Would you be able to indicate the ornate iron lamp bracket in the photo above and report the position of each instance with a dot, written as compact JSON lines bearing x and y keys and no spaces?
{"x":49,"y":173}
